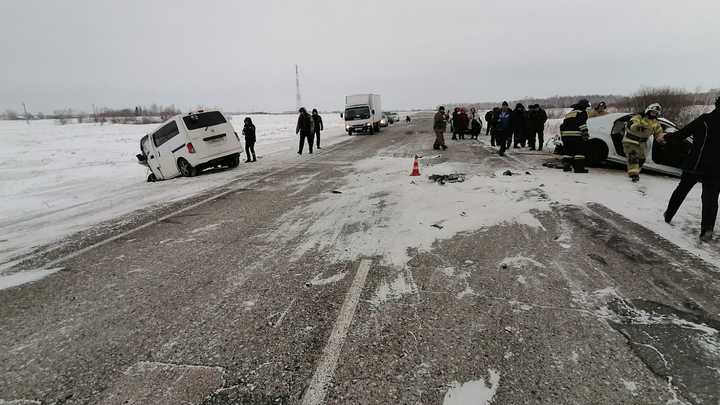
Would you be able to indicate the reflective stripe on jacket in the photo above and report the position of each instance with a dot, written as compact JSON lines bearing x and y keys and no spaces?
{"x":640,"y":128}
{"x":574,"y":124}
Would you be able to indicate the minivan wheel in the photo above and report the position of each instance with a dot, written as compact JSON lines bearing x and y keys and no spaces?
{"x":185,"y":168}
{"x":234,"y":161}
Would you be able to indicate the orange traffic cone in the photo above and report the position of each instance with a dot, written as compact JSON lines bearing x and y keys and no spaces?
{"x":416,"y":167}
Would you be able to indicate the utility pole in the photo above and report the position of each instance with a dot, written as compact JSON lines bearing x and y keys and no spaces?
{"x":27,"y":117}
{"x":298,"y":99}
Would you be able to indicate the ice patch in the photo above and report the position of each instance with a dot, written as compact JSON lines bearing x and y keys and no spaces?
{"x":630,"y":386}
{"x":473,"y":392}
{"x":24,"y":277}
{"x":206,"y":228}
{"x":328,"y":280}
{"x":466,"y":292}
{"x":399,"y":287}
{"x":520,"y":262}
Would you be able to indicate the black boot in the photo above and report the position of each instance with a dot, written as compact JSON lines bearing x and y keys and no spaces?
{"x":567,"y":164}
{"x":579,"y":164}
{"x":706,"y":236}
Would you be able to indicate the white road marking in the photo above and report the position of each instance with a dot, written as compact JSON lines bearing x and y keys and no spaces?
{"x":315,"y":394}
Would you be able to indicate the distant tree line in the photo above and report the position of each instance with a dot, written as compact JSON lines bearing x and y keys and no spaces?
{"x":131,"y":115}
{"x":679,"y":105}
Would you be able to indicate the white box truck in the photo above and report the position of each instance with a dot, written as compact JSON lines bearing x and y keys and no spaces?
{"x":363,"y":113}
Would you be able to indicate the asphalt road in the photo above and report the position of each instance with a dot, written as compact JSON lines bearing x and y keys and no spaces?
{"x":228,"y":303}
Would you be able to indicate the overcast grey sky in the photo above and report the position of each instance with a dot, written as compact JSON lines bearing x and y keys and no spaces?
{"x":240,"y":55}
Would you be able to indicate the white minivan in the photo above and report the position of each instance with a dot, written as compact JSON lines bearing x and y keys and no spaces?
{"x":186,"y":144}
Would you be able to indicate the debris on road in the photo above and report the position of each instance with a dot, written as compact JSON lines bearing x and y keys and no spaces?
{"x":507,"y":173}
{"x":336,"y":192}
{"x":438,"y":226}
{"x":447,"y":178}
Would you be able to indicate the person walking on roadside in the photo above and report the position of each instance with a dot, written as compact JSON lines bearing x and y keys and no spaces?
{"x":249,"y":133}
{"x":599,"y":110}
{"x":574,"y":134}
{"x":305,"y":129}
{"x":407,"y":119}
{"x":318,"y":126}
{"x":637,"y":132}
{"x":439,"y":125}
{"x":503,"y":128}
{"x":702,"y":165}
{"x":537,"y":117}
{"x":519,"y":125}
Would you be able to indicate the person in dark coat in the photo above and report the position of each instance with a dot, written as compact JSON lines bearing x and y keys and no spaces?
{"x":305,"y":129}
{"x":702,"y":165}
{"x":503,"y":128}
{"x":318,"y":125}
{"x":249,"y":133}
{"x":537,"y":117}
{"x":519,"y":125}
{"x":491,"y":119}
{"x":463,"y":122}
{"x":455,"y":123}
{"x":475,"y":124}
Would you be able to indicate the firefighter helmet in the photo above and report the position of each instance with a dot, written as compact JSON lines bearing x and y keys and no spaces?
{"x":654,"y":109}
{"x":583,"y":104}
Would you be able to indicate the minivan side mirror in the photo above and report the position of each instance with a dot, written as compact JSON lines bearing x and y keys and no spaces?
{"x":341,"y":115}
{"x":373,"y":111}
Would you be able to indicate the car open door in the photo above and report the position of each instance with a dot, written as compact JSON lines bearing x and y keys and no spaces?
{"x":670,"y":156}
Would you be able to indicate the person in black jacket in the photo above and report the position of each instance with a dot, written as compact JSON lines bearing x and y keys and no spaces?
{"x":305,"y":129}
{"x":537,"y":117}
{"x":249,"y":133}
{"x":318,"y":125}
{"x":702,"y":165}
{"x":519,"y":125}
{"x":491,"y":117}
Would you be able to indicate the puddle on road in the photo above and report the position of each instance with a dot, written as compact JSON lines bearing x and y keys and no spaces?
{"x":473,"y":392}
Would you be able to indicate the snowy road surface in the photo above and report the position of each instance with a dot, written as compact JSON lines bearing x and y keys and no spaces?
{"x":340,"y":279}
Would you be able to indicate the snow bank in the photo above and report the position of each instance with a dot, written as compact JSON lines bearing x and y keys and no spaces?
{"x":60,"y":179}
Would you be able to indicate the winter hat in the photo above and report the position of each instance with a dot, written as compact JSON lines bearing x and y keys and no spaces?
{"x":302,"y":110}
{"x":314,"y":111}
{"x":505,"y":104}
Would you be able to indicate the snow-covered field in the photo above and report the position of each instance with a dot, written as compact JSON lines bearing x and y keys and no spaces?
{"x":60,"y":179}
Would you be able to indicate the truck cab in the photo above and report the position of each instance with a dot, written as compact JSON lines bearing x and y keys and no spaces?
{"x":363,"y":113}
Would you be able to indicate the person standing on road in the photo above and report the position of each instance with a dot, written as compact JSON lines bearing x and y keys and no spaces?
{"x":491,"y":118}
{"x":407,"y":119}
{"x":599,"y":110}
{"x":318,"y":125}
{"x":463,"y":122}
{"x":305,"y":129}
{"x":574,"y":134}
{"x":537,"y":117}
{"x":475,"y":124}
{"x":249,"y":133}
{"x":519,"y":125}
{"x":503,"y":128}
{"x":637,"y":132}
{"x":455,"y":122}
{"x":439,"y":125}
{"x":702,"y":165}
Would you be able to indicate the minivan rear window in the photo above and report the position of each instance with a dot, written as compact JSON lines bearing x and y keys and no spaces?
{"x":204,"y":120}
